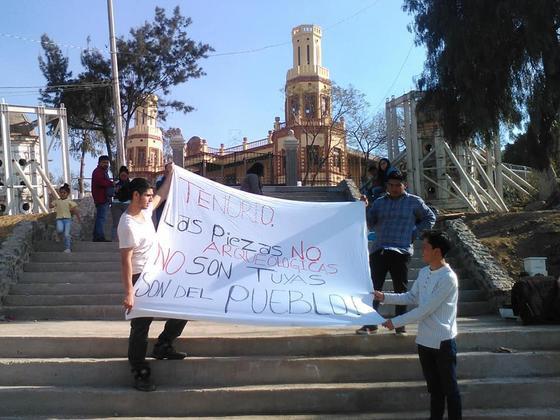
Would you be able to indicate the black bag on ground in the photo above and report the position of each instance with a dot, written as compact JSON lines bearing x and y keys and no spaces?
{"x":537,"y":300}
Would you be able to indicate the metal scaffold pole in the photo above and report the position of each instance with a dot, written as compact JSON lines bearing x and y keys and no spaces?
{"x":116,"y":89}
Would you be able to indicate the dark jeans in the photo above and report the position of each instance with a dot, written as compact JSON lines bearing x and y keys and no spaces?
{"x":117,"y":210}
{"x":439,"y":368}
{"x":382,"y":262}
{"x":138,"y":339}
{"x":100,"y":218}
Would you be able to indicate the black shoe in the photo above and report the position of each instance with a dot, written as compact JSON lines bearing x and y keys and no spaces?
{"x":367,"y":330}
{"x":143,"y":380}
{"x":166,"y":351}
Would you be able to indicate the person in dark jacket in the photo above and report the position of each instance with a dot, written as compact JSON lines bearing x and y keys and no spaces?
{"x":101,"y":190}
{"x":121,"y":199}
{"x":384,"y":169}
{"x":253,"y":180}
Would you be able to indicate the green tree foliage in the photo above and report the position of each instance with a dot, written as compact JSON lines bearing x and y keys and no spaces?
{"x":154,"y":58}
{"x":491,"y":63}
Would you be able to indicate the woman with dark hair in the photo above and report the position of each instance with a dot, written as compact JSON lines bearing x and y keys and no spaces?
{"x":384,"y":168}
{"x":253,"y":181}
{"x":121,"y":199}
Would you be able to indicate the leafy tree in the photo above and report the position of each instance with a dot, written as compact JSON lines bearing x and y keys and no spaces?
{"x":491,"y":63}
{"x":156,"y":57}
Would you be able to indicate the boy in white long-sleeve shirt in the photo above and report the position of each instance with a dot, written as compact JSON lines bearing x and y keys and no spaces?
{"x":436,"y":294}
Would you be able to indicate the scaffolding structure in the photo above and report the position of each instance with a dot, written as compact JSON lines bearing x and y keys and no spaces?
{"x":451,"y":178}
{"x":24,"y":150}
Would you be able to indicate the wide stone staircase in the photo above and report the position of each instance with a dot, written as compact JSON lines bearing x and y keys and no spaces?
{"x":85,"y":285}
{"x":52,"y":364}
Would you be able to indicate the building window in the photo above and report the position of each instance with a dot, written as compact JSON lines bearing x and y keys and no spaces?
{"x":325,"y":106}
{"x":141,"y":156}
{"x":309,"y":106}
{"x":294,"y":106}
{"x":308,"y":55}
{"x":313,"y":156}
{"x":130,"y":155}
{"x":298,"y":56}
{"x":153,"y":157}
{"x":337,"y":158}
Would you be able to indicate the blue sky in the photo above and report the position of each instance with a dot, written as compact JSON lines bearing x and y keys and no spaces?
{"x":365,"y":43}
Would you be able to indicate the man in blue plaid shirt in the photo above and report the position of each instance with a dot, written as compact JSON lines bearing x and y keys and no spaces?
{"x":397,"y":217}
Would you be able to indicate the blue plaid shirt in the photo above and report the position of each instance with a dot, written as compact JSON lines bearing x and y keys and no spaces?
{"x":397,"y":221}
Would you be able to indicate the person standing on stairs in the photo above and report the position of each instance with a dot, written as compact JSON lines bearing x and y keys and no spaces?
{"x":436,"y":294}
{"x":65,"y":209}
{"x":397,"y":217}
{"x":121,"y":200}
{"x":136,"y":242}
{"x":102,"y":191}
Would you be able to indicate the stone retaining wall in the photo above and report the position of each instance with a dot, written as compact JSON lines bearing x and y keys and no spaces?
{"x":476,"y":262}
{"x":350,"y":189}
{"x":15,"y":250}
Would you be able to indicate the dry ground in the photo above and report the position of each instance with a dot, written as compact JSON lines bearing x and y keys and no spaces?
{"x":517,"y":235}
{"x":7,"y":223}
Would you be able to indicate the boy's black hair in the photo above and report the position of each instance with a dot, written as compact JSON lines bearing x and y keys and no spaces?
{"x":65,"y":187}
{"x":397,"y":176}
{"x":140,"y":185}
{"x":123,"y":169}
{"x":438,"y":239}
{"x":102,"y":157}
{"x":257,"y":169}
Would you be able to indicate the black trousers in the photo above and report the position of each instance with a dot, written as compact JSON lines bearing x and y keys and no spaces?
{"x":384,"y":261}
{"x":439,"y":368}
{"x":138,"y":339}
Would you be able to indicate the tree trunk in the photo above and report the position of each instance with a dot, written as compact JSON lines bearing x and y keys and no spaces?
{"x":82,"y":169}
{"x":548,"y":184}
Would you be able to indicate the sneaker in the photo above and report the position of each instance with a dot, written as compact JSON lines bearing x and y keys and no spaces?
{"x":143,"y":380}
{"x":166,"y":351}
{"x":400,"y":331}
{"x":367,"y":330}
{"x":67,"y":251}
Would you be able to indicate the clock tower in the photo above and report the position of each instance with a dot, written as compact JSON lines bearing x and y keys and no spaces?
{"x":308,"y":87}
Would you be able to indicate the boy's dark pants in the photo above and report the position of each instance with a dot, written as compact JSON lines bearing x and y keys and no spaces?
{"x":138,"y":339}
{"x":439,"y":368}
{"x":383,"y":261}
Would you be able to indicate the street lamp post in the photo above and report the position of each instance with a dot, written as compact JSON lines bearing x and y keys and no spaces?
{"x":116,"y":89}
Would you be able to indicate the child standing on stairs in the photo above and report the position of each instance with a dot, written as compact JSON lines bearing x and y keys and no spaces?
{"x":65,"y":209}
{"x":436,"y":294}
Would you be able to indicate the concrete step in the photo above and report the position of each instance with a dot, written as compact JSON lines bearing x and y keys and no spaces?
{"x":254,"y":370}
{"x":89,"y":257}
{"x":107,"y":307}
{"x":70,"y":277}
{"x":109,"y":339}
{"x":77,"y":246}
{"x":99,"y":268}
{"x":77,"y":312}
{"x":271,"y":399}
{"x":70,"y":288}
{"x":63,"y":300}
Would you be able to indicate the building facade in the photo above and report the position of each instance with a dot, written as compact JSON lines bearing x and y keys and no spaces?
{"x":323,"y":157}
{"x":144,"y":142}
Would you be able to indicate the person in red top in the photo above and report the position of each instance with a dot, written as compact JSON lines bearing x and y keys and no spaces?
{"x":101,"y":190}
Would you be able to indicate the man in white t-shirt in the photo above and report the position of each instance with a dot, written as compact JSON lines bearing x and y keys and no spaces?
{"x":136,"y":242}
{"x":435,"y":291}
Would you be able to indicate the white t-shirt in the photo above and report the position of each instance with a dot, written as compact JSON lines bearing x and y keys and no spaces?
{"x":138,"y":235}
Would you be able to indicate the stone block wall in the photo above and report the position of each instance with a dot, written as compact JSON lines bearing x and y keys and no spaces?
{"x":476,"y":262}
{"x":15,"y":250}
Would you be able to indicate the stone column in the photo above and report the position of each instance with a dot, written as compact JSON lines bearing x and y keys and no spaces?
{"x":178,"y":146}
{"x":291,"y":145}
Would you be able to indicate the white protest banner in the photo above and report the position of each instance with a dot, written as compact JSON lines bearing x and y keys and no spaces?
{"x":225,"y":255}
